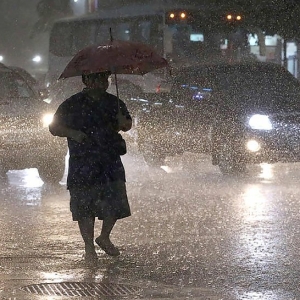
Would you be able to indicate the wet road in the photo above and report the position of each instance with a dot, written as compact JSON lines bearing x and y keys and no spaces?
{"x":193,"y":234}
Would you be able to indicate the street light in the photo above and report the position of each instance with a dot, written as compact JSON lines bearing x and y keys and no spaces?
{"x":182,"y":15}
{"x":231,"y":17}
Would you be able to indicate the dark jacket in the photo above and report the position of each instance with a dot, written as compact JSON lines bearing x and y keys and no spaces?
{"x":97,"y":160}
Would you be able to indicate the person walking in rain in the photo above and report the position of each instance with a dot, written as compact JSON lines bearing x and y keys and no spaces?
{"x":91,"y":121}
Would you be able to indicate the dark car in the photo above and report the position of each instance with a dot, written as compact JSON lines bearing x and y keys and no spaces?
{"x":25,"y":141}
{"x":173,"y":123}
{"x":240,"y":113}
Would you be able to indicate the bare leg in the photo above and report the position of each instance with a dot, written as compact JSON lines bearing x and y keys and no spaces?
{"x":107,"y":226}
{"x":103,"y":239}
{"x":86,"y":227}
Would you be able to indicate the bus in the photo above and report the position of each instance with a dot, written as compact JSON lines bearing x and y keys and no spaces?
{"x":183,"y":34}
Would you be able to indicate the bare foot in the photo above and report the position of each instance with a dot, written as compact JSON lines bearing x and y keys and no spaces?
{"x":90,"y":254}
{"x":107,"y":246}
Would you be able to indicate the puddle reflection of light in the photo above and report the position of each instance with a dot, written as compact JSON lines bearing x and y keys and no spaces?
{"x":254,"y":203}
{"x":259,"y":296}
{"x":31,"y":178}
{"x":56,"y":277}
{"x":254,"y":237}
{"x":167,"y":169}
{"x":267,"y":171}
{"x":32,"y":197}
{"x":28,"y":186}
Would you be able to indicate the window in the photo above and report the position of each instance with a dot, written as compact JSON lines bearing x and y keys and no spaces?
{"x":67,"y":38}
{"x":23,"y":90}
{"x":102,"y":33}
{"x":82,"y":35}
{"x":122,"y":30}
{"x":61,"y":40}
{"x":149,"y":30}
{"x":141,"y":31}
{"x":13,"y":87}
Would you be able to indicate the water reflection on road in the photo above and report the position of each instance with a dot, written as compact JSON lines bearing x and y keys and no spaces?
{"x":26,"y":185}
{"x":190,"y":225}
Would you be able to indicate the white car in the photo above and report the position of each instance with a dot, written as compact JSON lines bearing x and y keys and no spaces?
{"x":25,"y":140}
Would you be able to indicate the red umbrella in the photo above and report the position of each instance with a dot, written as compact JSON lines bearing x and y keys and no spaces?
{"x":119,"y":57}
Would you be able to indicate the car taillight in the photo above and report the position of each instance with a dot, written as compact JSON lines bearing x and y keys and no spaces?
{"x":158,"y":89}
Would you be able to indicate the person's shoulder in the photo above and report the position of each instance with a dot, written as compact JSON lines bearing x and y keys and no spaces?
{"x":76,"y":97}
{"x":111,"y":96}
{"x":72,"y":101}
{"x":115,"y":98}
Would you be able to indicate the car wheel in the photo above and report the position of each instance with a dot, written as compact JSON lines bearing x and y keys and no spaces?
{"x":52,"y":171}
{"x":229,"y":161}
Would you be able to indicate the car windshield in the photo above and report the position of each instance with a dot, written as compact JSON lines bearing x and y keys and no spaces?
{"x":25,"y":75}
{"x":13,"y":86}
{"x":260,"y":87}
{"x":275,"y":80}
{"x":251,"y":86}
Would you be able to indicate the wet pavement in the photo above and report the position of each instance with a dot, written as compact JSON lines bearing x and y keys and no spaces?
{"x":193,"y":234}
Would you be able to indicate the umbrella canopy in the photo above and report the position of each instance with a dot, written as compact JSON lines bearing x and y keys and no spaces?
{"x":118,"y":57}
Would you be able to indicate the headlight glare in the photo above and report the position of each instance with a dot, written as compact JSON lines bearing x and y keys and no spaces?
{"x":47,"y":119}
{"x":253,"y":146}
{"x":260,"y":122}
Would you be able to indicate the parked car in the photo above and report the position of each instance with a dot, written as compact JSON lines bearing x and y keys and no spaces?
{"x":239,"y":113}
{"x":31,"y":81}
{"x":25,"y":141}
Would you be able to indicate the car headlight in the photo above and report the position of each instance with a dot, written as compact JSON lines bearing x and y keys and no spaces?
{"x":260,"y":122}
{"x":253,"y":146}
{"x":47,"y":119}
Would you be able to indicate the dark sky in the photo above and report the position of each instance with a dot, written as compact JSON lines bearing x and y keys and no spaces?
{"x":16,"y":21}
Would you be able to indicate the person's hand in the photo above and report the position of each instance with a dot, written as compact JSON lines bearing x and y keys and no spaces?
{"x":79,"y":136}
